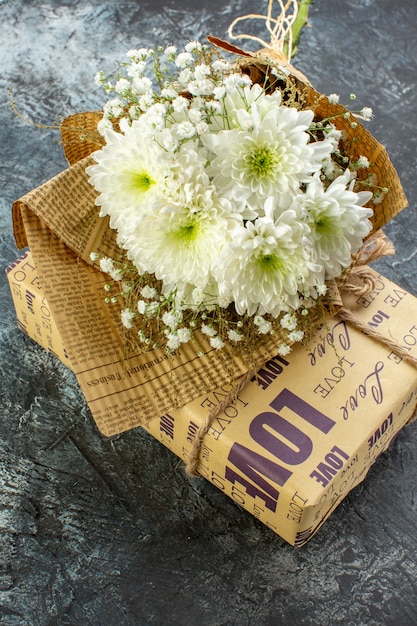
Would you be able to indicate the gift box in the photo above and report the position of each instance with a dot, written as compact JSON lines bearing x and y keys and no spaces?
{"x":302,"y":433}
{"x":285,"y":433}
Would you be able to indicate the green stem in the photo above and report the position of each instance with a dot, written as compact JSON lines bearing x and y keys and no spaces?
{"x":297,"y":27}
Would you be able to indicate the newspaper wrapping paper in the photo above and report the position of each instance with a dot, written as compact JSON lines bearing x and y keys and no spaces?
{"x":60,"y":223}
{"x":306,"y":430}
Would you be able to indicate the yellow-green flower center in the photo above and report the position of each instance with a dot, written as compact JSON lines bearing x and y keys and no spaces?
{"x":142,"y":181}
{"x":270,"y":263}
{"x":262,"y":162}
{"x":186,"y":234}
{"x":326,"y":225}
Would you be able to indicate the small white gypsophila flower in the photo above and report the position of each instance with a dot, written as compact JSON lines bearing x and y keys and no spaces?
{"x":170,"y":51}
{"x":149,"y":292}
{"x":140,"y":54}
{"x":180,"y":104}
{"x":202,"y":128}
{"x":197,"y":296}
{"x":195,"y":115}
{"x":363,"y":161}
{"x":184,"y":59}
{"x":201,"y":87}
{"x":135,"y":70}
{"x":142,"y":336}
{"x":142,"y":85}
{"x":217,"y":342}
{"x":234,"y":335}
{"x":141,"y":306}
{"x":237,"y":80}
{"x":169,"y":93}
{"x":193,"y":46}
{"x":284,"y":349}
{"x":201,"y":71}
{"x":264,"y":326}
{"x":122,"y":86}
{"x":99,"y":78}
{"x":220,"y":66}
{"x":117,"y":274}
{"x":208,"y":330}
{"x":173,"y":342}
{"x":332,"y":135}
{"x":288,"y":321}
{"x":333,"y":98}
{"x":127,"y":317}
{"x":296,"y":335}
{"x":145,"y":102}
{"x":277,"y":72}
{"x":171,"y":319}
{"x":103,"y":125}
{"x":184,"y":334}
{"x":366,"y":113}
{"x":106,"y":265}
{"x":185,"y":77}
{"x":219,"y":92}
{"x":184,"y":130}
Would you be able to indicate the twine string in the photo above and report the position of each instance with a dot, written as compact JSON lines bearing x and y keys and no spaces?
{"x":360,"y":276}
{"x":193,"y":458}
{"x":348,"y":316}
{"x":279,"y":28}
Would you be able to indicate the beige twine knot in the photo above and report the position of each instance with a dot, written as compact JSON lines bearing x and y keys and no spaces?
{"x":361,"y":277}
{"x":362,"y":281}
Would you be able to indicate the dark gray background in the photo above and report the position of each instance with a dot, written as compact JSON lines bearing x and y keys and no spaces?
{"x":111,"y":532}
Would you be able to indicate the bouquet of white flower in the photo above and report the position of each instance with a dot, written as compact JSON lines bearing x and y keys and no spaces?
{"x":235,"y":200}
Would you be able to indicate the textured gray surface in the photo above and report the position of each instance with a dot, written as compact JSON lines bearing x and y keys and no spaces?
{"x":96,"y":531}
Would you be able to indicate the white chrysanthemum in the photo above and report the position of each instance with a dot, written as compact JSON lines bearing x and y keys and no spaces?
{"x":181,"y":238}
{"x":130,"y":174}
{"x":271,"y":160}
{"x":338,"y":222}
{"x":265,"y":265}
{"x":243,"y":107}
